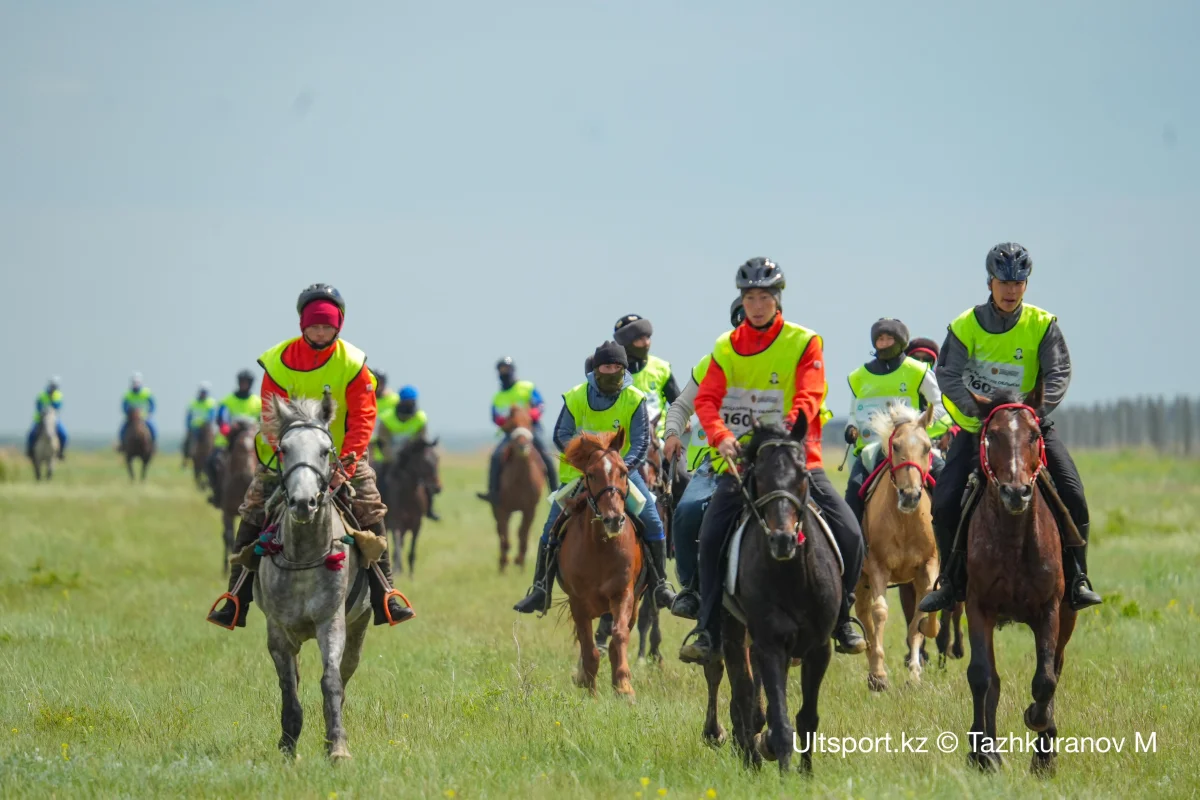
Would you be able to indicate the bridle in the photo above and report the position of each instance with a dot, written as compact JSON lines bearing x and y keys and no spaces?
{"x":757,"y":505}
{"x":985,"y":462}
{"x":284,"y":474}
{"x":593,"y":498}
{"x":893,"y":467}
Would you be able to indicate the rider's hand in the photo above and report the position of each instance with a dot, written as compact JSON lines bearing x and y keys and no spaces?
{"x":671,"y":448}
{"x":851,"y":434}
{"x":336,"y":481}
{"x":729,"y":449}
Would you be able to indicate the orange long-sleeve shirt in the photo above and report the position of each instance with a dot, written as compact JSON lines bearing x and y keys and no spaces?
{"x":810,"y":387}
{"x":360,"y":396}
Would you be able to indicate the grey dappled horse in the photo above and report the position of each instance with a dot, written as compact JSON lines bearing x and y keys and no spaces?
{"x":300,"y":596}
{"x":45,"y":444}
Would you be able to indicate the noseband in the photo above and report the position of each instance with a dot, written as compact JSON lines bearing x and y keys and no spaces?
{"x":985,"y":462}
{"x":594,"y":498}
{"x":894,"y":467}
{"x":285,"y":474}
{"x":758,"y":504}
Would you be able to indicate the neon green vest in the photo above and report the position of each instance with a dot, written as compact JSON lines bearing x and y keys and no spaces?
{"x":404,"y":429}
{"x":140,"y":399}
{"x":873,"y":393}
{"x":45,"y":400}
{"x":698,"y":447}
{"x":588,"y":420}
{"x":998,"y":361}
{"x":336,"y":373}
{"x":520,"y":394}
{"x":650,"y":381}
{"x":250,"y":408}
{"x":940,"y":428}
{"x":386,"y":404}
{"x":761,"y":386}
{"x":200,"y":410}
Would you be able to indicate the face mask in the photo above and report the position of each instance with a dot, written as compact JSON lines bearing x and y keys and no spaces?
{"x":638,"y":353}
{"x":406,"y":407}
{"x":507,"y":380}
{"x":610,"y":382}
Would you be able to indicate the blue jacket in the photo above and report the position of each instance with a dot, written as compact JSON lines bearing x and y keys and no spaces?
{"x":639,"y":426}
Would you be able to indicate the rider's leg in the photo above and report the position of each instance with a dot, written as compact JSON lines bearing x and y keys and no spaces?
{"x":848,"y":534}
{"x":947,"y":512}
{"x":397,"y":610}
{"x":153,"y":431}
{"x":61,"y":430}
{"x":858,"y":476}
{"x":689,"y":514}
{"x":538,"y":597}
{"x":187,"y":442}
{"x":656,"y":543}
{"x":30,"y":440}
{"x":121,"y":435}
{"x":548,"y":458}
{"x":211,"y":469}
{"x":1070,"y":488}
{"x":494,"y":466}
{"x":722,"y":512}
{"x":247,"y":534}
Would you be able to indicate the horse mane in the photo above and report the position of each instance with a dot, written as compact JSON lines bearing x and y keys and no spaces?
{"x":764,"y":433}
{"x":1002,"y":397}
{"x":884,"y":421}
{"x":280,"y":414}
{"x":581,"y":449}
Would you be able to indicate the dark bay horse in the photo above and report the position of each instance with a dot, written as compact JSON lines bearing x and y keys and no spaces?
{"x":522,"y":477}
{"x":200,"y":448}
{"x":137,"y":442}
{"x":600,"y":559}
{"x":241,"y":462}
{"x":784,"y":606}
{"x":1014,"y":574}
{"x":412,"y":470}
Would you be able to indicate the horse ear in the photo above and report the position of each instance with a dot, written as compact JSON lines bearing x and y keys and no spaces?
{"x":618,"y":440}
{"x":984,"y":403}
{"x":328,"y":407}
{"x":1036,"y":396}
{"x":926,"y":418}
{"x":434,"y":443}
{"x":800,"y":428}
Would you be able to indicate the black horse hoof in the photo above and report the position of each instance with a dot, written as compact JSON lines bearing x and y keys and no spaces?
{"x":985,"y":762}
{"x":1043,"y":765}
{"x":1033,"y":722}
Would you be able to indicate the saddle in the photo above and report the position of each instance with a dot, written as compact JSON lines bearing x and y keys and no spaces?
{"x":1067,"y":529}
{"x":558,"y":531}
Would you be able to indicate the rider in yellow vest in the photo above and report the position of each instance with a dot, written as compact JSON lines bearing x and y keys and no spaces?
{"x":51,"y":397}
{"x":1004,"y":344}
{"x":386,"y":401}
{"x":650,"y":373}
{"x":772,"y":370}
{"x":407,"y":422}
{"x":890,"y":377}
{"x":606,"y":401}
{"x":242,"y":405}
{"x":522,"y":394}
{"x":926,"y":351}
{"x":140,"y":397}
{"x":201,"y":413}
{"x":306,"y":366}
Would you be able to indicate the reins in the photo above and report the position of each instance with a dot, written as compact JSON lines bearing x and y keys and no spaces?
{"x":756,"y":505}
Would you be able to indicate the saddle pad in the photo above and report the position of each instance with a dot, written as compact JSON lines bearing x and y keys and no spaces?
{"x":635,"y":502}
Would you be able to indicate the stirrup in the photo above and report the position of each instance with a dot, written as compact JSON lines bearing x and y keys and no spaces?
{"x":387,"y":612}
{"x":237,"y":611}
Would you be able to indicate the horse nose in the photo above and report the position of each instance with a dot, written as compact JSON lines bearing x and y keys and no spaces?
{"x":909,"y":498}
{"x":1014,"y":497}
{"x":782,"y":545}
{"x":613,"y":524}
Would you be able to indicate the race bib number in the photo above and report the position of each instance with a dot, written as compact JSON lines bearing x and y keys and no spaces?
{"x":743,"y":406}
{"x":988,"y":377}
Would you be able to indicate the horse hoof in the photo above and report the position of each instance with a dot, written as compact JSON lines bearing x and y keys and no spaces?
{"x":715,"y":738}
{"x":985,"y":762}
{"x":1043,"y":765}
{"x":1033,"y":721}
{"x":339,"y":754}
{"x":762,"y":747}
{"x":877,"y":683}
{"x":956,"y":651}
{"x":796,"y":662}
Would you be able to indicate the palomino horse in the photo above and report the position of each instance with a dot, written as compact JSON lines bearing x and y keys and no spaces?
{"x":411,"y":472}
{"x":241,"y":462}
{"x":200,"y":448}
{"x":522,"y":477}
{"x":785,"y":603}
{"x":45,"y":444}
{"x":303,"y":589}
{"x":137,"y":442}
{"x":898,"y":529}
{"x":1014,"y":573}
{"x":600,"y":559}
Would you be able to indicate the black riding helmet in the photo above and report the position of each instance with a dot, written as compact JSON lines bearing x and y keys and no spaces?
{"x":381,"y":378}
{"x":246,"y":376}
{"x":761,"y":273}
{"x":320,"y":291}
{"x":1009,"y":261}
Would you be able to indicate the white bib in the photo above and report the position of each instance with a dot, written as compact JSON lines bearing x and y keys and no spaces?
{"x":988,"y":377}
{"x":741,"y":407}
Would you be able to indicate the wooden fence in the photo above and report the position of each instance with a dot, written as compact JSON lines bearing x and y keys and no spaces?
{"x":1151,"y":422}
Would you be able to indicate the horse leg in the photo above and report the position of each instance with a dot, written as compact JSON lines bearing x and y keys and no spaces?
{"x":1039,"y":715}
{"x":980,"y":676}
{"x":37,"y":469}
{"x":412,"y":548}
{"x":589,"y":656}
{"x":145,"y":466}
{"x":713,"y":733}
{"x":877,"y":679}
{"x":129,"y":467}
{"x":812,"y":673}
{"x":655,"y":631}
{"x":908,"y":603}
{"x":643,"y":625}
{"x":604,"y":629}
{"x":920,"y":625}
{"x":743,"y":693}
{"x":956,"y":650}
{"x":356,"y":634}
{"x":284,"y":653}
{"x":618,"y":647}
{"x":502,"y":518}
{"x":771,"y":661}
{"x":331,"y":637}
{"x":523,"y":536}
{"x":227,"y":541}
{"x":398,"y":547}
{"x":1044,"y":757}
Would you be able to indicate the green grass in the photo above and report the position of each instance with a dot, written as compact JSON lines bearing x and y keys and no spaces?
{"x":111,"y":683}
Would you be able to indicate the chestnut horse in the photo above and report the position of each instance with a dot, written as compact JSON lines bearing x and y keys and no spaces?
{"x":1014,"y":573}
{"x":137,"y":442}
{"x":898,"y":529}
{"x":600,"y":559}
{"x":522,"y":477}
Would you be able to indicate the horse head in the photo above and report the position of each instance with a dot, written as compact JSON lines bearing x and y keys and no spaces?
{"x":1012,"y":451}
{"x":518,"y":417}
{"x":605,"y":477}
{"x":305,"y":447}
{"x":520,"y":442}
{"x":419,"y":456}
{"x":909,"y":450}
{"x":781,"y":484}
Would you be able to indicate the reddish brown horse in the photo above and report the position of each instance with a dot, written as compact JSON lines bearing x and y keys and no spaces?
{"x":410,"y":477}
{"x":1014,"y":574}
{"x":137,"y":442}
{"x":600,"y":560}
{"x":522,"y":477}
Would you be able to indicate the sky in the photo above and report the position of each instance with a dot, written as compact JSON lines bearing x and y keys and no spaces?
{"x":485,"y":179}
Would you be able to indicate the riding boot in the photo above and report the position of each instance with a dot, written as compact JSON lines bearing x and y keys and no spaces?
{"x":687,"y":602}
{"x":1080,"y":594}
{"x":379,"y":592}
{"x":232,"y":613}
{"x":951,"y":585}
{"x":664,"y":596}
{"x":538,"y":598}
{"x":849,"y":641}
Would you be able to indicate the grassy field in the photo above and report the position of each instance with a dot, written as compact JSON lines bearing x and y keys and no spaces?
{"x":111,"y":683}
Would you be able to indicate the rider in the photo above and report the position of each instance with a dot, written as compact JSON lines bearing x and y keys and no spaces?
{"x":50,"y":397}
{"x":386,"y":401}
{"x":201,"y":412}
{"x":926,"y":350}
{"x":890,"y":377}
{"x":522,"y":394}
{"x":242,"y":404}
{"x":650,"y":373}
{"x":140,"y":397}
{"x":605,"y":402}
{"x":305,"y":366}
{"x":772,"y":369}
{"x":689,"y":513}
{"x":986,"y":350}
{"x":405,"y":422}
